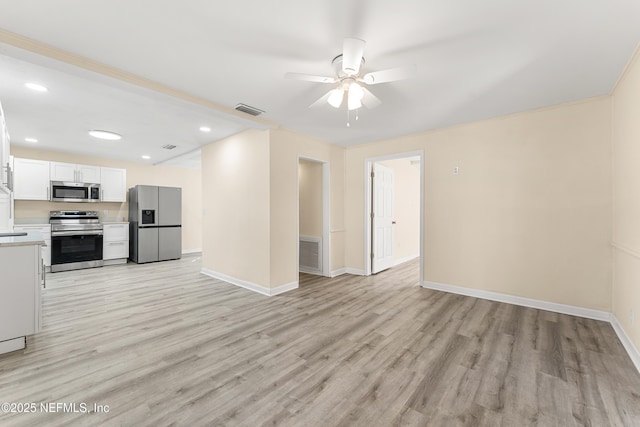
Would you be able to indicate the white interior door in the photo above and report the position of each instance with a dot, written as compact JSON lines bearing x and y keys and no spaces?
{"x":382,"y":204}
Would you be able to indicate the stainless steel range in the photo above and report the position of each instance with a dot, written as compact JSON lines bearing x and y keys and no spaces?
{"x":76,"y":240}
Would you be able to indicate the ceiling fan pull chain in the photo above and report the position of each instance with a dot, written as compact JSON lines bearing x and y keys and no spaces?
{"x":348,"y":124}
{"x":357,"y":111}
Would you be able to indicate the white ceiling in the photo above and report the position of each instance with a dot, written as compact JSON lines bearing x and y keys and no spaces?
{"x":78,"y":101}
{"x":475,"y":59}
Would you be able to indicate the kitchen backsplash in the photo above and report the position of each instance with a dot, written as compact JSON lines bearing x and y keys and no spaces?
{"x":37,"y":212}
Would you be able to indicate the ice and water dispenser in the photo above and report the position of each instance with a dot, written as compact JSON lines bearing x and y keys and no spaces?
{"x":148,"y":216}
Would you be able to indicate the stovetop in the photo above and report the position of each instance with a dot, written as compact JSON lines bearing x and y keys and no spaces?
{"x":73,"y":215}
{"x":74,"y":221}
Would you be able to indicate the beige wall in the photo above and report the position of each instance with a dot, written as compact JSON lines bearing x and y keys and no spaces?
{"x":310,"y":200}
{"x":529,"y":213}
{"x":235,"y":183}
{"x":137,"y":173}
{"x":626,"y":196}
{"x":406,"y":208}
{"x":250,"y":192}
{"x":286,"y":147}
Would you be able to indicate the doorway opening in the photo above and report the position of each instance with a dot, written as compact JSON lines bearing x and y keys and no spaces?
{"x":313,"y":217}
{"x":394,"y":211}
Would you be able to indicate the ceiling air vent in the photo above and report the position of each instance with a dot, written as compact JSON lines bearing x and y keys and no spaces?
{"x":249,"y":109}
{"x":168,"y":147}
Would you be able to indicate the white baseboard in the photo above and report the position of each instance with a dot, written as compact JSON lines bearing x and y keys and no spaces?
{"x":251,"y":286}
{"x":284,"y":288}
{"x":526,"y":302}
{"x":310,"y":271}
{"x":191,"y":251}
{"x":633,"y":352}
{"x":338,"y":272}
{"x":12,"y":345}
{"x":405,"y":259}
{"x":354,"y":271}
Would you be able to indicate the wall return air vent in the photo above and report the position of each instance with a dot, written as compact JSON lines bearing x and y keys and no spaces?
{"x":249,"y":109}
{"x":168,"y":147}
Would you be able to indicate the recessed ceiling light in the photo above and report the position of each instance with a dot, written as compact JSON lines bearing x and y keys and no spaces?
{"x":146,"y":157}
{"x":36,"y":87}
{"x":31,"y":140}
{"x":205,"y":129}
{"x":105,"y":134}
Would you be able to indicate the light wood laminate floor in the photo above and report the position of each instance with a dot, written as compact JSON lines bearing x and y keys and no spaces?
{"x":162,"y":344}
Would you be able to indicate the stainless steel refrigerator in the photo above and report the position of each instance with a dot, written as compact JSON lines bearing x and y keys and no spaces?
{"x":155,"y":223}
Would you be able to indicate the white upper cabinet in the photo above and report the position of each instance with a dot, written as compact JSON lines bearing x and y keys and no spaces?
{"x":31,"y":179}
{"x":113,"y":184}
{"x":6,"y":212}
{"x":89,"y":174}
{"x":5,"y":166}
{"x":63,"y":172}
{"x":69,"y":172}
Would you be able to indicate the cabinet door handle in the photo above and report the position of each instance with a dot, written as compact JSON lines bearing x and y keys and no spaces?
{"x":9,"y":177}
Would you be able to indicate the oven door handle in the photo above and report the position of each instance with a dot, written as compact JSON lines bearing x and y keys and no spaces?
{"x":76,"y":233}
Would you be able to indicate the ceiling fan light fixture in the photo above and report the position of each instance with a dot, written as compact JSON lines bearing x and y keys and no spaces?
{"x":354,"y":104}
{"x":336,"y":97}
{"x":354,"y":99}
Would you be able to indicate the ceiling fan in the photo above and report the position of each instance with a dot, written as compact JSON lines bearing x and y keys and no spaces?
{"x":350,"y":80}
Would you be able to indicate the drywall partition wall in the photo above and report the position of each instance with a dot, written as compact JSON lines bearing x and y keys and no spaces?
{"x":406,"y":208}
{"x":626,"y":205}
{"x":286,"y":148}
{"x":310,"y":198}
{"x":529,"y":212}
{"x":235,"y":193}
{"x":137,"y":173}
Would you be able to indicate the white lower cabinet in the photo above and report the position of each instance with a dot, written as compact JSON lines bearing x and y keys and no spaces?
{"x":45,"y":230}
{"x":115,"y":249}
{"x":22,"y":277}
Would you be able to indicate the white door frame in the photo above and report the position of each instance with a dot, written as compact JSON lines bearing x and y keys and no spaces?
{"x":368,"y":163}
{"x":326,"y":213}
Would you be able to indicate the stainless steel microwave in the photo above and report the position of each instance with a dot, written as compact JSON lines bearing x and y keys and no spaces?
{"x":74,"y":192}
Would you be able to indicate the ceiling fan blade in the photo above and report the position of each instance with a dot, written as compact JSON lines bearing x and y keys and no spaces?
{"x":352,"y":51}
{"x":390,"y":75}
{"x":323,"y":100}
{"x":310,"y":78}
{"x":369,"y":100}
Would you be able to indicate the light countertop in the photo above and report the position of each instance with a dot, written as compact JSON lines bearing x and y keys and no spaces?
{"x":31,"y":221}
{"x":32,"y":238}
{"x":114,"y":222}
